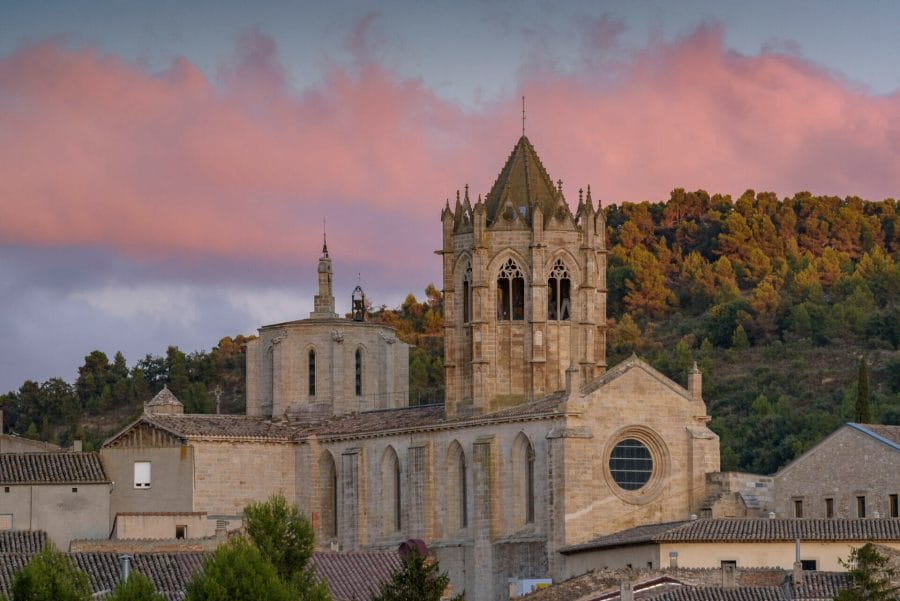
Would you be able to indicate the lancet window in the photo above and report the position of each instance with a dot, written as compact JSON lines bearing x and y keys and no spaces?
{"x":467,"y":293}
{"x":559,"y":302}
{"x":510,"y":292}
{"x":312,"y":373}
{"x":359,"y":368}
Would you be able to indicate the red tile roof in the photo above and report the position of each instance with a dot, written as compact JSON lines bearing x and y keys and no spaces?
{"x":746,"y":529}
{"x":356,"y":576}
{"x":51,"y":468}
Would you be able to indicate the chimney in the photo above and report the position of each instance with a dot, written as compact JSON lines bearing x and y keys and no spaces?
{"x":626,"y":590}
{"x":673,"y":560}
{"x":798,"y":566}
{"x":729,"y":575}
{"x":124,"y":566}
{"x":76,"y":445}
{"x":771,"y":515}
{"x":695,"y":384}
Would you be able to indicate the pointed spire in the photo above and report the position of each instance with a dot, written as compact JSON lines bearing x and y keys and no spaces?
{"x":324,"y":240}
{"x":559,"y":186}
{"x":588,"y":201}
{"x":523,"y":116}
{"x":467,"y":193}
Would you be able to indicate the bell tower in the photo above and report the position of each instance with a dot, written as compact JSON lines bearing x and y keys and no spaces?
{"x":524,"y":289}
{"x":323,"y":304}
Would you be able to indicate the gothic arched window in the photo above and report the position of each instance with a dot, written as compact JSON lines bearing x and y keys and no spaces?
{"x":463,"y":493}
{"x":312,"y":372}
{"x":467,"y":293}
{"x":523,"y":480}
{"x":457,"y":492}
{"x":391,"y":489}
{"x":559,"y":293}
{"x":328,"y":496}
{"x":359,"y":367}
{"x":510,"y":292}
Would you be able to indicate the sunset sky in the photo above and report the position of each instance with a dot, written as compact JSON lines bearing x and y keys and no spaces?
{"x":165,"y":167}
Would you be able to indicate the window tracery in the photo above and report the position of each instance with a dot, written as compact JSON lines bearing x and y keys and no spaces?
{"x":510,"y":292}
{"x":559,"y":293}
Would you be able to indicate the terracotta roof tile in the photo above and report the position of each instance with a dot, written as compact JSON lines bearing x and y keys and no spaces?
{"x":715,"y":593}
{"x":819,"y":585}
{"x":746,"y":529}
{"x":222,"y":426}
{"x":603,"y":584}
{"x":763,"y":529}
{"x":51,"y":468}
{"x":356,"y":576}
{"x":164,"y":397}
{"x":427,"y":416}
{"x":349,"y":576}
{"x":22,"y":541}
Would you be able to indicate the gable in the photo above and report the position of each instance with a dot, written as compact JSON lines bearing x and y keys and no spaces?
{"x":141,"y":435}
{"x":637,"y":380}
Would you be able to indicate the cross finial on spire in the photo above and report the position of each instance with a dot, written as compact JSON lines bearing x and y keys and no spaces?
{"x":324,"y":239}
{"x":523,"y":116}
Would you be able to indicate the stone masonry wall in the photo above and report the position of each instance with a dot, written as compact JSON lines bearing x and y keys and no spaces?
{"x":229,"y":475}
{"x":846,"y":465}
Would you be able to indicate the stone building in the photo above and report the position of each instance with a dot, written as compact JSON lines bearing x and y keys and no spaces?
{"x":65,"y":494}
{"x":853,"y":473}
{"x":326,"y":365}
{"x":536,"y":448}
{"x":167,"y":467}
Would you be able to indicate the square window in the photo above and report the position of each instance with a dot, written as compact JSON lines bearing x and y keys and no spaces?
{"x":798,"y":508}
{"x":894,"y":506}
{"x":5,"y":489}
{"x":829,"y":508}
{"x":861,"y":507}
{"x":74,"y":489}
{"x":142,"y":474}
{"x":180,"y":531}
{"x":808,"y":565}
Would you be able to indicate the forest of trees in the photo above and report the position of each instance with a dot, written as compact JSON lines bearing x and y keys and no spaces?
{"x":775,"y":299}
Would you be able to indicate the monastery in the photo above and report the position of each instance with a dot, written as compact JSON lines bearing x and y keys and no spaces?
{"x":538,"y":447}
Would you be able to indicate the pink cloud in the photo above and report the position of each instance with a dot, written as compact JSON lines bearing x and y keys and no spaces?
{"x":98,"y":152}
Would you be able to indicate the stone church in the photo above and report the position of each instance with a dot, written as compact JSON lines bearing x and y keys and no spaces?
{"x":537,"y":447}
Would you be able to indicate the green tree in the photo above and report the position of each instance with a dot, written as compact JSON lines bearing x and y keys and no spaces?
{"x":238,"y":572}
{"x":862,"y":413}
{"x":739,"y":339}
{"x":285,"y":539}
{"x":50,"y":576}
{"x":870,"y":575}
{"x":420,"y":579}
{"x":137,"y":588}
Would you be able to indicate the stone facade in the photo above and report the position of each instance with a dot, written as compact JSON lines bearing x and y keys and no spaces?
{"x":464,"y":482}
{"x":326,"y":365}
{"x":855,"y":468}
